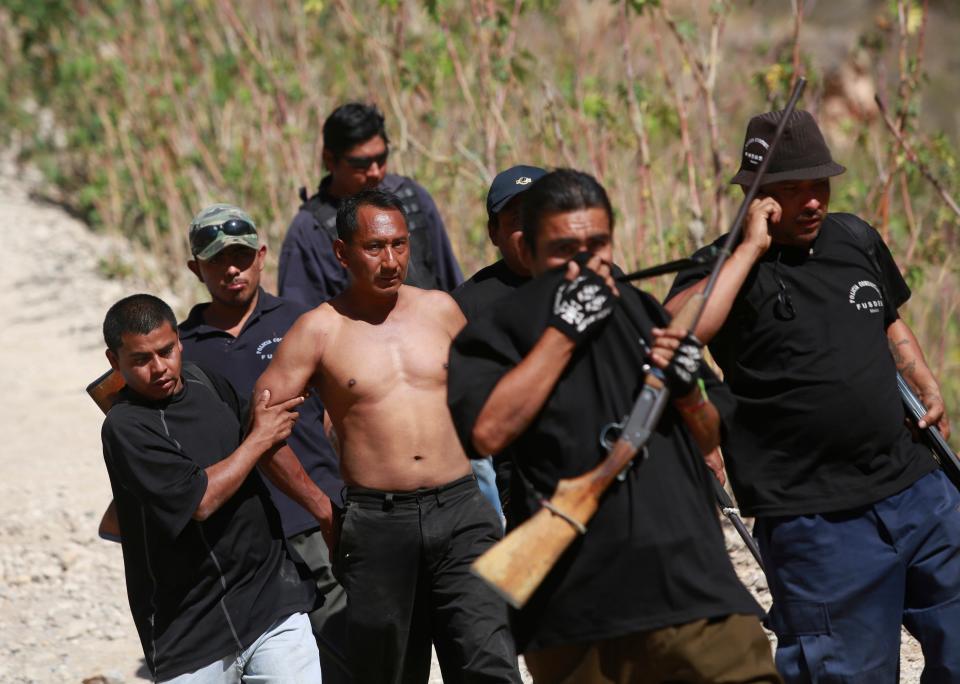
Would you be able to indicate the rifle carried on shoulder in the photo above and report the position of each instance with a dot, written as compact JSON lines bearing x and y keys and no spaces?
{"x":945,"y":456}
{"x":518,"y":564}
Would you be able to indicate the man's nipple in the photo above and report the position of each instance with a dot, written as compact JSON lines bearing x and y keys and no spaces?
{"x":351,"y":382}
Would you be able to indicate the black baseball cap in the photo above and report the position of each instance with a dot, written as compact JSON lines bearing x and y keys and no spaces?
{"x":510,"y":183}
{"x":801,"y":154}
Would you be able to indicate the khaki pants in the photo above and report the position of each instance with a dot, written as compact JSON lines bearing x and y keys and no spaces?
{"x":730,"y":650}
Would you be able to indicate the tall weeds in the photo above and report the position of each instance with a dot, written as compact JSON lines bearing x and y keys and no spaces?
{"x":140,"y":113}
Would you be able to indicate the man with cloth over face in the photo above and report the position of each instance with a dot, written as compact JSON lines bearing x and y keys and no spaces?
{"x":858,"y":529}
{"x":236,"y":334}
{"x":648,"y":594}
{"x":492,"y":283}
{"x":415,"y":520}
{"x":355,"y":153}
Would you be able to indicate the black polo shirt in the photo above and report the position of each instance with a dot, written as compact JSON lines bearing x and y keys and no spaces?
{"x":654,"y":553}
{"x":487,"y":286}
{"x":242,"y":359}
{"x":820,"y":424}
{"x":198,"y":591}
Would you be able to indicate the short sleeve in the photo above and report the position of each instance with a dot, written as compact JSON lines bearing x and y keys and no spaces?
{"x":692,"y":276}
{"x":894,"y":286}
{"x":151,"y":467}
{"x":479,"y":357}
{"x":226,"y":392}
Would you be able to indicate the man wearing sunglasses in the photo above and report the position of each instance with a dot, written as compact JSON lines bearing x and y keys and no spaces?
{"x":236,"y":334}
{"x":858,"y":529}
{"x":356,"y":150}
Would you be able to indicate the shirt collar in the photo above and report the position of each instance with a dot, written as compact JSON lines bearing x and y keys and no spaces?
{"x":195,"y":326}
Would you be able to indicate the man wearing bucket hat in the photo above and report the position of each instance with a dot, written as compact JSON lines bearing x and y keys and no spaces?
{"x":236,"y":335}
{"x":491,"y":283}
{"x":859,"y":530}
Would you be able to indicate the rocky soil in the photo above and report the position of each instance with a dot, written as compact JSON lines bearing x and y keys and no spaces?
{"x":63,"y":612}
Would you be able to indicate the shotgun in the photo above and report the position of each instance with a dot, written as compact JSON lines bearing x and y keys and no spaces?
{"x":518,"y":564}
{"x":945,"y":456}
{"x":104,"y":392}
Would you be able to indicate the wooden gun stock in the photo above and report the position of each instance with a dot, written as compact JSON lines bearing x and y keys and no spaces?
{"x":104,"y":391}
{"x":518,"y":564}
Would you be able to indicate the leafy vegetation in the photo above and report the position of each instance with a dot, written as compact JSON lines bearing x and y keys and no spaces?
{"x":141,"y":113}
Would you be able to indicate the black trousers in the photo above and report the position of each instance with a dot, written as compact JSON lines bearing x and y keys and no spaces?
{"x":404,"y":559}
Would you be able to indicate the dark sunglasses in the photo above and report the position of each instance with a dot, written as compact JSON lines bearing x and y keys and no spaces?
{"x":363,"y":163}
{"x":201,"y":238}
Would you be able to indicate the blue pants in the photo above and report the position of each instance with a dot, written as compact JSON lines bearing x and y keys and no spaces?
{"x":842,"y":583}
{"x":487,"y":481}
{"x":285,"y":653}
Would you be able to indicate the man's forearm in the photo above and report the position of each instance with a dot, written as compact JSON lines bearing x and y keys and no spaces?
{"x":731,"y":279}
{"x":909,"y":360}
{"x":701,"y":418}
{"x":225,"y":477}
{"x":908,"y":357}
{"x":285,"y":471}
{"x":521,"y":393}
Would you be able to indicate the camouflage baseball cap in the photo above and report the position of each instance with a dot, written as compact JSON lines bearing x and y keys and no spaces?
{"x":219,"y":226}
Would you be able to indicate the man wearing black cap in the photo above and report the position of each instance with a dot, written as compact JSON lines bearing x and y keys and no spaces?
{"x":489,"y":284}
{"x":859,"y":530}
{"x":504,"y":201}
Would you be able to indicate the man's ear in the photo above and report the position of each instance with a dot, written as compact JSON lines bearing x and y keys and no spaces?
{"x":327,"y":158}
{"x":195,"y":268}
{"x":492,"y":225}
{"x":340,"y":251}
{"x":112,"y":358}
{"x":261,"y":257}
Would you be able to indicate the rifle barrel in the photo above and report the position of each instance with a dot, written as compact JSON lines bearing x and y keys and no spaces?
{"x":733,"y":515}
{"x":945,"y":455}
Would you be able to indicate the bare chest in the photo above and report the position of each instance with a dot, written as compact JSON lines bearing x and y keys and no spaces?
{"x":370,"y":362}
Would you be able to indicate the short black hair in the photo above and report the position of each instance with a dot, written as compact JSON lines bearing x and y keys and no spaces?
{"x":139,"y":314}
{"x":351,"y":124}
{"x":561,"y":191}
{"x":347,"y":213}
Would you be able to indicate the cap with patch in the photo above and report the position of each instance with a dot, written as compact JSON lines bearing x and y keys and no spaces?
{"x":801,"y":154}
{"x":219,"y":226}
{"x":510,"y":183}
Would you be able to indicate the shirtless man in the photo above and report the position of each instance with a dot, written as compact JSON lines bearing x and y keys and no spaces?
{"x":415,"y":519}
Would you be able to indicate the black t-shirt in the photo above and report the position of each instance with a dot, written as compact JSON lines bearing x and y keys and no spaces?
{"x":819,"y":422}
{"x":198,"y":591}
{"x":487,"y":286}
{"x":242,"y":359}
{"x":654,"y":553}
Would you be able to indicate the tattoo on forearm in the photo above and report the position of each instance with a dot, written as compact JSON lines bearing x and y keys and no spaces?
{"x":904,"y":365}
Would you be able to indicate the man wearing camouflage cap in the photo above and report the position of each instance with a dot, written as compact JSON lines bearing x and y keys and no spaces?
{"x":236,"y":335}
{"x":858,"y":529}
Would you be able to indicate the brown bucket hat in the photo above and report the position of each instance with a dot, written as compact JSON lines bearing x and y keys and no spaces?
{"x":801,"y":154}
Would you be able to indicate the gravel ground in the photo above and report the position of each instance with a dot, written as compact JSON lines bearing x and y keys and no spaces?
{"x":63,"y":611}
